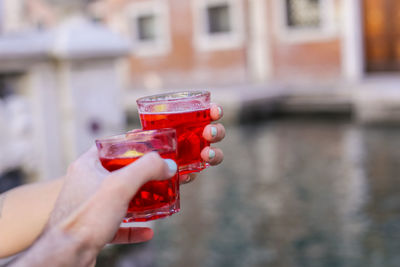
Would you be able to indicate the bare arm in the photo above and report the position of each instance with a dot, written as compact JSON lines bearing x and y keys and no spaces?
{"x":76,"y":233}
{"x":24,"y":211}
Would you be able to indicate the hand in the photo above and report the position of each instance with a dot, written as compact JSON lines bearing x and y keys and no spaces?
{"x":93,"y":201}
{"x":213,"y":133}
{"x":90,"y":208}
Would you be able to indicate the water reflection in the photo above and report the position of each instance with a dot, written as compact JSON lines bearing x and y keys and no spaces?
{"x":290,"y":193}
{"x":381,"y":242}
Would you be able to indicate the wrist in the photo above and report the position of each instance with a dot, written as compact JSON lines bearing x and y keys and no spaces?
{"x":58,"y":248}
{"x":78,"y":244}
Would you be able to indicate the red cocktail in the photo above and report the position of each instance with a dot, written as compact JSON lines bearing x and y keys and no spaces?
{"x":188,"y":113}
{"x":155,"y":199}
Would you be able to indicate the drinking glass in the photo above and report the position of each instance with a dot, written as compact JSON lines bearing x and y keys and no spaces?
{"x":188,"y":112}
{"x":155,"y":199}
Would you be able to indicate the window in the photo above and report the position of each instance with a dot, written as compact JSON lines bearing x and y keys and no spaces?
{"x":218,"y":24}
{"x":146,"y":28}
{"x":303,"y":13}
{"x":148,"y":24}
{"x":218,"y":19}
{"x":305,"y":20}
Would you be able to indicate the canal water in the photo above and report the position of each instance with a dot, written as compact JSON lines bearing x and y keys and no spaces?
{"x":290,"y":192}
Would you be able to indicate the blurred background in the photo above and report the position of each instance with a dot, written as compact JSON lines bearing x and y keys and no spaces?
{"x":310,"y":90}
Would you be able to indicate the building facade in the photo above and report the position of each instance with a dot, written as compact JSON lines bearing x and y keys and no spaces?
{"x":223,"y":42}
{"x":176,"y":43}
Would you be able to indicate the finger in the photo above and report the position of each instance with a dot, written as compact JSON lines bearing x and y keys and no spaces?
{"x":131,"y":235}
{"x":90,"y":161}
{"x":92,"y":152}
{"x":214,"y":132}
{"x":212,"y":155}
{"x":216,"y":112}
{"x":129,"y":179}
{"x":187,"y":178}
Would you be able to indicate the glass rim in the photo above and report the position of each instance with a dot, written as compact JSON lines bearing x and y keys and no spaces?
{"x":134,"y":135}
{"x":154,"y":98}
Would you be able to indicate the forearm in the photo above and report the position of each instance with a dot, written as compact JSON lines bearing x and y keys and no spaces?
{"x":68,"y":240}
{"x":58,"y":247}
{"x":24,"y":212}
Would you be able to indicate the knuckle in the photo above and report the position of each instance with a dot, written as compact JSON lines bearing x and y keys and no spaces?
{"x":113,"y":184}
{"x":154,"y":157}
{"x":157,"y":164}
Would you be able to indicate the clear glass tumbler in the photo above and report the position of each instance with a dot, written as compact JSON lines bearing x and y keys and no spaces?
{"x":155,"y":199}
{"x":187,"y":112}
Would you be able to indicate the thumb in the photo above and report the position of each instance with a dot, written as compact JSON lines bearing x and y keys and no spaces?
{"x":130,"y":178}
{"x":112,"y":199}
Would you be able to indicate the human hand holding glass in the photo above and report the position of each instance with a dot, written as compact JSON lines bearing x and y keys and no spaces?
{"x":90,"y":208}
{"x":190,"y":113}
{"x":94,"y":201}
{"x":212,"y":133}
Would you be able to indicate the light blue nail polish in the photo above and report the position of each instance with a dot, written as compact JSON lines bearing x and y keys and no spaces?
{"x":211,"y":154}
{"x":220,"y":111}
{"x":172,"y":166}
{"x":214,"y":131}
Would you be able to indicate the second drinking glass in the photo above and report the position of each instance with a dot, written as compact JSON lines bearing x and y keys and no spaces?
{"x":187,"y":112}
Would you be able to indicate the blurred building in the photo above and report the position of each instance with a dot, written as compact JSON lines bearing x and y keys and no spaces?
{"x":224,"y":42}
{"x":59,"y":89}
{"x":178,"y":43}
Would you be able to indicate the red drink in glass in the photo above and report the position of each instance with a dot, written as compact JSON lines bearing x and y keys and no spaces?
{"x":189,"y":128}
{"x":155,"y":199}
{"x":188,"y":113}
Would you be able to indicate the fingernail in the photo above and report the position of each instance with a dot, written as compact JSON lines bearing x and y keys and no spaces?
{"x":214,"y":131}
{"x":220,"y":111}
{"x":172,"y":166}
{"x":211,"y":154}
